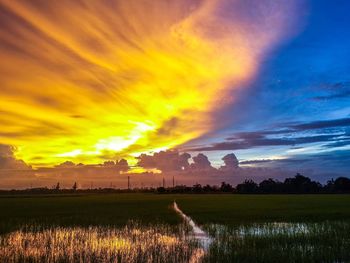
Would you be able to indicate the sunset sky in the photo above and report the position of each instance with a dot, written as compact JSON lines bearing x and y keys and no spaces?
{"x":94,"y":81}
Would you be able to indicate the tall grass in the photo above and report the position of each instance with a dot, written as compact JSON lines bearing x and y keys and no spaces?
{"x":281,"y":242}
{"x":95,"y":229}
{"x":133,"y":243}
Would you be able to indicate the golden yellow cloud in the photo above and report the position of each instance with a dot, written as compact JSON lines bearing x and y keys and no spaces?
{"x":90,"y":80}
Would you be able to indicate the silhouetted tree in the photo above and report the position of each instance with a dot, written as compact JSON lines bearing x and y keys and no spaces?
{"x":197,"y":188}
{"x":161,"y":190}
{"x":270,"y":186}
{"x":341,"y":185}
{"x":207,"y":188}
{"x":298,"y":184}
{"x":329,"y":187}
{"x":227,"y":188}
{"x":247,"y":187}
{"x":301,"y":184}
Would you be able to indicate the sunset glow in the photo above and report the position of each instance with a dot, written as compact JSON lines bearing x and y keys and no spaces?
{"x":93,"y":80}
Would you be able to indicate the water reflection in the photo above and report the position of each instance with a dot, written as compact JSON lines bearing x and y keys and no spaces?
{"x":265,"y":229}
{"x":326,"y":241}
{"x":292,"y":242}
{"x":197,"y":233}
{"x":98,"y":244}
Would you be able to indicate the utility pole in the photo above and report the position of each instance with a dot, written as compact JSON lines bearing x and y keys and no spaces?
{"x":128,"y":182}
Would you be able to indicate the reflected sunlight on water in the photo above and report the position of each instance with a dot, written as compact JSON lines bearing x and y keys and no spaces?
{"x":99,"y":244}
{"x":269,"y":242}
{"x":326,"y":241}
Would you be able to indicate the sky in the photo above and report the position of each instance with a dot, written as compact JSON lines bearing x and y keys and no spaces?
{"x":302,"y":89}
{"x":85,"y":83}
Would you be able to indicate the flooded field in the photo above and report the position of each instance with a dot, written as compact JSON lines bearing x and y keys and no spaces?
{"x":192,"y":229}
{"x":280,"y":242}
{"x":132,"y":243}
{"x":186,"y":242}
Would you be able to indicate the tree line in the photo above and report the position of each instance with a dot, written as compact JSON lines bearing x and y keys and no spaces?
{"x":298,"y":184}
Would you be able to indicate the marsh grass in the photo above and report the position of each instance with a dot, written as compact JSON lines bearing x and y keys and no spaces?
{"x":132,"y":243}
{"x":280,"y":242}
{"x":102,"y":228}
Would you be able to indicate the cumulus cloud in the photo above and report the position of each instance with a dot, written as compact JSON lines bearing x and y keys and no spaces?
{"x":170,"y":160}
{"x":119,"y":165}
{"x":231,"y":162}
{"x":174,"y":164}
{"x":8,"y":159}
{"x":66,"y":164}
{"x":201,"y":162}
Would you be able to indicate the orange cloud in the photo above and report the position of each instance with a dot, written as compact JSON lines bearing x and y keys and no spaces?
{"x":89,"y":80}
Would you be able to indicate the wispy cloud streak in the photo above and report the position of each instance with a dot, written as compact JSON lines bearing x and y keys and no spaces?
{"x":93,"y":79}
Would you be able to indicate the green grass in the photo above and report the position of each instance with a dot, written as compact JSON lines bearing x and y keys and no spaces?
{"x":327,"y":218}
{"x":236,"y":209}
{"x":113,"y":209}
{"x":118,"y":209}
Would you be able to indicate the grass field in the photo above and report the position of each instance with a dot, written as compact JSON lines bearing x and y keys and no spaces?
{"x":244,"y":228}
{"x":118,"y":209}
{"x":235,"y":209}
{"x":84,"y":210}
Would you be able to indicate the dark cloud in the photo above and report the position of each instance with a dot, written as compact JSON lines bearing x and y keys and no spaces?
{"x":230,"y":161}
{"x":120,"y":165}
{"x":259,"y":161}
{"x":8,"y":159}
{"x":341,"y":95}
{"x":339,"y":90}
{"x":257,"y":134}
{"x":344,"y":122}
{"x":287,"y":136}
{"x":247,"y":143}
{"x":170,"y":160}
{"x":335,"y":157}
{"x":275,"y":161}
{"x":337,"y":144}
{"x":200,"y":162}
